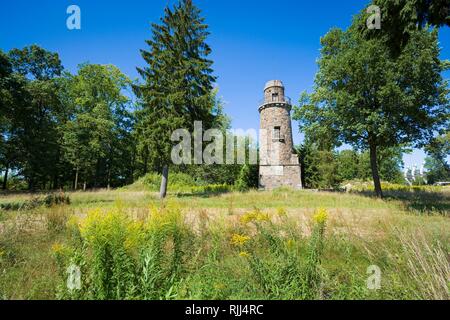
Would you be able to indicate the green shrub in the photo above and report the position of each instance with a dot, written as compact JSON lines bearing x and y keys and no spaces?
{"x":179,"y":183}
{"x":248,"y":178}
{"x":123,"y":259}
{"x":275,"y":256}
{"x":212,"y":189}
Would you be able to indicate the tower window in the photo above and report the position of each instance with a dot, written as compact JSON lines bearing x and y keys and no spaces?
{"x":275,"y":97}
{"x":277,"y":133}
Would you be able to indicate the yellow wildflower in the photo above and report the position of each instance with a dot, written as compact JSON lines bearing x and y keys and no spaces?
{"x":281,"y":212}
{"x":321,"y":216}
{"x":263,"y":217}
{"x":219,"y":286}
{"x":135,"y":235}
{"x":239,"y":240}
{"x":244,"y":254}
{"x":248,"y":217}
{"x":290,"y":244}
{"x":73,"y":222}
{"x":253,"y":216}
{"x":59,"y":249}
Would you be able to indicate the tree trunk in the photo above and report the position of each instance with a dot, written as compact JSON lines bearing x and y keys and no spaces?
{"x":97,"y":168}
{"x":55,"y":181}
{"x":110,"y":161}
{"x":130,"y":179}
{"x":145,"y":163}
{"x":31,"y":184}
{"x":375,"y":174}
{"x":108,"y":178}
{"x":84,"y":186}
{"x":76,"y":180}
{"x":5,"y":178}
{"x":164,"y":182}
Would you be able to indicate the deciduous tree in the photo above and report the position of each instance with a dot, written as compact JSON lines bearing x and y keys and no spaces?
{"x":374,"y":101}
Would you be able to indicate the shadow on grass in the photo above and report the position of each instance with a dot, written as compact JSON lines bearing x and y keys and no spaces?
{"x":424,"y":202}
{"x":205,"y":195}
{"x":93,"y":201}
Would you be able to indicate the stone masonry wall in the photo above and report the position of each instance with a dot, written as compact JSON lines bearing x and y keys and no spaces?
{"x":279,"y":166}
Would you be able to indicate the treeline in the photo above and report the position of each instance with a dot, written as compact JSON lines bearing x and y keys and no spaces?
{"x":63,"y":130}
{"x":97,"y":128}
{"x":380,"y":88}
{"x":325,"y":169}
{"x":83,"y":130}
{"x":376,"y":90}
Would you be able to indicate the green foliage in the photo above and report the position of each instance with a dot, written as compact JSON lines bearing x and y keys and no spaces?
{"x":58,"y":127}
{"x":30,"y":120}
{"x":315,"y":252}
{"x":179,"y":183}
{"x":349,"y":165}
{"x":277,"y":263}
{"x":123,"y":259}
{"x":212,"y":189}
{"x":360,"y":86}
{"x":320,"y":168}
{"x":390,"y":162}
{"x":248,"y":178}
{"x":324,"y":169}
{"x":436,"y":171}
{"x":97,"y":138}
{"x":227,"y":173}
{"x":400,"y":19}
{"x":438,"y":168}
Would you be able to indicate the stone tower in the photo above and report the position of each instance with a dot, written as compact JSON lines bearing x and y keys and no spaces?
{"x":279,"y":166}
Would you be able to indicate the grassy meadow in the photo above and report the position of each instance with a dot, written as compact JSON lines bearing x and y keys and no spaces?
{"x":283,"y":244}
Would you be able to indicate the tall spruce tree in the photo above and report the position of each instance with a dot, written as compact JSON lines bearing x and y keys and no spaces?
{"x":178,"y":83}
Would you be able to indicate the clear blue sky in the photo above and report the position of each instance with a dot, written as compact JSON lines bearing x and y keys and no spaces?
{"x":252,"y":40}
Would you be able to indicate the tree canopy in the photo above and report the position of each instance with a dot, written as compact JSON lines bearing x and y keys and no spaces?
{"x":371,"y":100}
{"x":400,"y":19}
